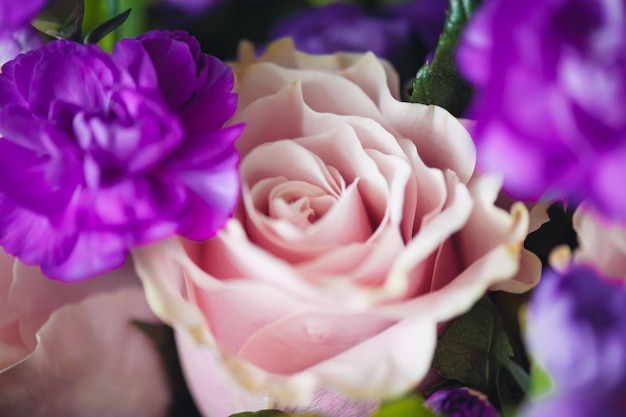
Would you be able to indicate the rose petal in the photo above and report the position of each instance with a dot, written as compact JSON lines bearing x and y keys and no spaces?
{"x":211,"y":381}
{"x":33,"y":297}
{"x":308,"y":339}
{"x":71,"y":372}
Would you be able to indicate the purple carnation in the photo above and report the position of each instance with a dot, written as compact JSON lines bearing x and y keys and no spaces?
{"x":550,"y":79}
{"x":460,"y":402}
{"x":577,"y":330}
{"x":103,"y":152}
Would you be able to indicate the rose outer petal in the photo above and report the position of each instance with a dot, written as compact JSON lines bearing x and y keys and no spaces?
{"x":78,"y":368}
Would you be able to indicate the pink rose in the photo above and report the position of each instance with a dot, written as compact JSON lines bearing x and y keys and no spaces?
{"x":70,"y":350}
{"x":361,"y":228}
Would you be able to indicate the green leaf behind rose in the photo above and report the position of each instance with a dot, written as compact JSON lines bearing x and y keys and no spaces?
{"x":438,"y":82}
{"x":476,"y":351}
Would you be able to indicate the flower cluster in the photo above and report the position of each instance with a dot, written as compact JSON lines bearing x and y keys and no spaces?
{"x":284,"y":232}
{"x":367,"y":234}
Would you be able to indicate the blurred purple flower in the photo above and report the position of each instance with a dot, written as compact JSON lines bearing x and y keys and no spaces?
{"x":577,"y":329}
{"x":550,"y":79}
{"x":101,"y":153}
{"x":425,"y":18}
{"x":347,"y":27}
{"x":343,"y":27}
{"x":460,"y":402}
{"x":577,"y":406}
{"x":14,"y":15}
{"x":192,"y":6}
{"x":577,"y":333}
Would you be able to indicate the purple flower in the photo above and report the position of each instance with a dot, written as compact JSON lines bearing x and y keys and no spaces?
{"x":577,"y":406}
{"x":460,"y":402}
{"x":577,"y":333}
{"x":347,"y":27}
{"x":550,"y":79}
{"x":425,"y":17}
{"x":193,"y":6}
{"x":343,"y":27}
{"x":101,"y":153}
{"x":577,"y":329}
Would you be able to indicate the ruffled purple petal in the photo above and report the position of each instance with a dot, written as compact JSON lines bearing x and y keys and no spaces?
{"x":551,"y":89}
{"x":34,"y":238}
{"x":101,"y":153}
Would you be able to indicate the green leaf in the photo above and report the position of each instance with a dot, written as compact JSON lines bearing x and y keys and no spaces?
{"x":471,"y":345}
{"x":438,"y":82}
{"x":476,"y":351}
{"x":162,"y":336}
{"x":61,"y":19}
{"x":540,"y":381}
{"x":410,"y":406}
{"x":107,"y":27}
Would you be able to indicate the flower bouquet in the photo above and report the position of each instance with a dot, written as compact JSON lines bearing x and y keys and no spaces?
{"x":310,"y":208}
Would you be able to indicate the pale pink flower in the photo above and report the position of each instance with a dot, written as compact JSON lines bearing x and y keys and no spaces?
{"x":602,"y":241}
{"x":362,"y":227}
{"x":70,"y":350}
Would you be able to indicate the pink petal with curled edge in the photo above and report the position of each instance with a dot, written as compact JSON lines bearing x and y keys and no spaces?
{"x":283,"y":52}
{"x":298,"y":342}
{"x":354,"y":373}
{"x":78,"y":368}
{"x":373,"y":76}
{"x":441,"y":140}
{"x":505,"y":229}
{"x":364,"y":264}
{"x":602,"y":242}
{"x":290,"y":160}
{"x":209,"y":381}
{"x":430,"y":192}
{"x":33,"y":297}
{"x":227,"y":311}
{"x":303,"y":121}
{"x":264,"y":79}
{"x":239,"y":259}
